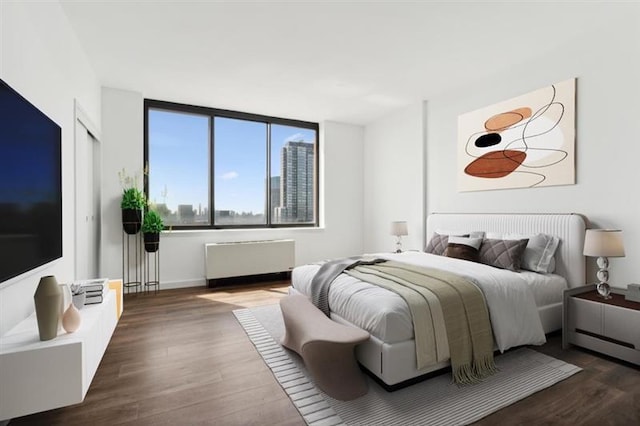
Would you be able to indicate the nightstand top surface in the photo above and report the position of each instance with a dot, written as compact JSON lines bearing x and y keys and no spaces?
{"x":616,"y":300}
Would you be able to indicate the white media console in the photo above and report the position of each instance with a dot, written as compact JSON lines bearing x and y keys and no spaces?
{"x":37,"y":376}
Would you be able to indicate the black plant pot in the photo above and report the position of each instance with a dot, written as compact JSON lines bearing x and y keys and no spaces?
{"x":131,"y":221}
{"x":151,"y":241}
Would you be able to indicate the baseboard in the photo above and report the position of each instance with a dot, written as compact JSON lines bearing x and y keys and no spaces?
{"x":196,"y":282}
{"x":248,"y":279}
{"x":223,"y":282}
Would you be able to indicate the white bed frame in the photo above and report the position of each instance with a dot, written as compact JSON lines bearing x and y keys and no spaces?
{"x":395,"y":363}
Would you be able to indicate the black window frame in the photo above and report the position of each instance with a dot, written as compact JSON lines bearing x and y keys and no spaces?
{"x":212,"y":113}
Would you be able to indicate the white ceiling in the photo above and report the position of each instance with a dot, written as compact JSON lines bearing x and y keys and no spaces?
{"x":352,"y":62}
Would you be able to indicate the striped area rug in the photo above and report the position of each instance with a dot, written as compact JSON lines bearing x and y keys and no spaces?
{"x":433,"y":402}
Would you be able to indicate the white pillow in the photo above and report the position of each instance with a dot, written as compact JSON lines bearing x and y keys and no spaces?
{"x":467,"y":241}
{"x":539,"y":253}
{"x":474,"y":234}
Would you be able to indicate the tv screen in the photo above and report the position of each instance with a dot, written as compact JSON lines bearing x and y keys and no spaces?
{"x":30,"y":186}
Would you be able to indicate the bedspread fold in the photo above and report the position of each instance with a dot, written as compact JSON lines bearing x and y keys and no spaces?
{"x":447,"y":311}
{"x":328,"y":272}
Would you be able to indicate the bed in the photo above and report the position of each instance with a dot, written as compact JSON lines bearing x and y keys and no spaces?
{"x":523,"y":306}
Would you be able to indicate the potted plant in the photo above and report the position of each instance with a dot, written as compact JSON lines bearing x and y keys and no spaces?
{"x":132,"y":204}
{"x":152,"y":225}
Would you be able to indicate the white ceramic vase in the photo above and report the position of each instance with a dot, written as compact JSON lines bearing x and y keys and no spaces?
{"x":64,"y":303}
{"x":71,"y":319}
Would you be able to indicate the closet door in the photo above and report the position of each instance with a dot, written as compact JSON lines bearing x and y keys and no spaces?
{"x":87,"y":169}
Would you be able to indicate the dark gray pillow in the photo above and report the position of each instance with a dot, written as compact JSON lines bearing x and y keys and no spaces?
{"x":505,"y":254}
{"x":464,"y":248}
{"x":462,"y":251}
{"x":540,"y":251}
{"x":438,"y":243}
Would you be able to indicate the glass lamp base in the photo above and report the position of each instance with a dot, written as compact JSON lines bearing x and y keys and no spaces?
{"x":398,"y":244}
{"x":604,"y":290}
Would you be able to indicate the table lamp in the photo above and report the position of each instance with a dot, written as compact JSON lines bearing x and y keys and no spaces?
{"x":399,"y":229}
{"x":603,"y":243}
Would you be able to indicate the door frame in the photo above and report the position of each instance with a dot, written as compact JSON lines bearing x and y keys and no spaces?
{"x":80,"y":116}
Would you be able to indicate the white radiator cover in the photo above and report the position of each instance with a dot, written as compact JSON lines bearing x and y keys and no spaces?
{"x":236,"y":259}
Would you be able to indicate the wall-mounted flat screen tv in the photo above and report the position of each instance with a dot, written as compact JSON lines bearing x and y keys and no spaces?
{"x":30,"y":186}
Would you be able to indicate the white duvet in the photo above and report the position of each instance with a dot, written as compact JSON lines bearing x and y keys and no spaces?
{"x":511,"y":302}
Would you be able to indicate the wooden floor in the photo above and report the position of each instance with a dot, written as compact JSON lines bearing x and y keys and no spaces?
{"x":181,"y":358}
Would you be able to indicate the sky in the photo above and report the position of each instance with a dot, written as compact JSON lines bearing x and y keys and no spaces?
{"x":179,"y":160}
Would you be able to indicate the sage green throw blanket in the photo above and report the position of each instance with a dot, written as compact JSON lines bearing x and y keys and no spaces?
{"x":435,"y":296}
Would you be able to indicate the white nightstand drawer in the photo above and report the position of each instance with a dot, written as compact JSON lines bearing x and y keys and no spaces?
{"x":585,"y":315}
{"x":611,"y":326}
{"x":622,"y":324}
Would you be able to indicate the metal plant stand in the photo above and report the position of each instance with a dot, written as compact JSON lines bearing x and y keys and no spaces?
{"x":152,"y":271}
{"x":131,"y":258}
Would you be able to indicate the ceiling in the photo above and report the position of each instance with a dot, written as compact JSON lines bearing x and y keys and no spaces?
{"x":351,"y":62}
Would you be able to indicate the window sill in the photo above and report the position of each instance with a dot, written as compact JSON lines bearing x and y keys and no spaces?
{"x":246,"y":231}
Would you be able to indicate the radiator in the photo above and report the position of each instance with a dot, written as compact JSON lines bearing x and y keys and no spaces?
{"x":224,"y":260}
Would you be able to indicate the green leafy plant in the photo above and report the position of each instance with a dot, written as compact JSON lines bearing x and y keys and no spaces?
{"x":132,"y":197}
{"x":152,"y":222}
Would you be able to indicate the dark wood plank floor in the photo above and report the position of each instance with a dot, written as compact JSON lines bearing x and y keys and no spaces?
{"x":181,"y":358}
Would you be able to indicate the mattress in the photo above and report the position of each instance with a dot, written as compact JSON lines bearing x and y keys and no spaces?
{"x":386,"y":316}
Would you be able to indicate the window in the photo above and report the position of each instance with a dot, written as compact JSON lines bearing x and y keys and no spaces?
{"x":293,"y":169}
{"x":249,"y":170}
{"x":240,"y":164}
{"x":178,"y":178}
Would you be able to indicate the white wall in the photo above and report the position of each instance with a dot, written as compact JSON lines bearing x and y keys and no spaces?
{"x":41,"y":58}
{"x":393,"y":183}
{"x":122,"y":134}
{"x":182,"y":252}
{"x":606,"y":63}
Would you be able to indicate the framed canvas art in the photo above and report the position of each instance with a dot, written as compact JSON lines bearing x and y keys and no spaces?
{"x":524,"y":142}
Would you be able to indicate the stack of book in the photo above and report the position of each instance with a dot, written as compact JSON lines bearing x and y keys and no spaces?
{"x":94,"y":290}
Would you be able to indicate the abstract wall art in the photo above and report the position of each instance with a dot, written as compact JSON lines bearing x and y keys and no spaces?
{"x":527,"y":141}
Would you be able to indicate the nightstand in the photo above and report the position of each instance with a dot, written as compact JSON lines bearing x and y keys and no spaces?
{"x":611,"y":327}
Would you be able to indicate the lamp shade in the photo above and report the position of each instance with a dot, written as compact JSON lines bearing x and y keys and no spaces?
{"x":399,"y":228}
{"x":603,"y":243}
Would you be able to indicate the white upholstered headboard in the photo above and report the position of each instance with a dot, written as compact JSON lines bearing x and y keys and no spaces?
{"x":570,"y":228}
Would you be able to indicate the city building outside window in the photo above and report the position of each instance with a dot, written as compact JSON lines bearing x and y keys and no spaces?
{"x":249,"y":170}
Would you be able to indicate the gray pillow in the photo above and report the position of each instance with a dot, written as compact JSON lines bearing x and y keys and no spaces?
{"x":539,"y":253}
{"x":438,"y":244}
{"x":505,"y":254}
